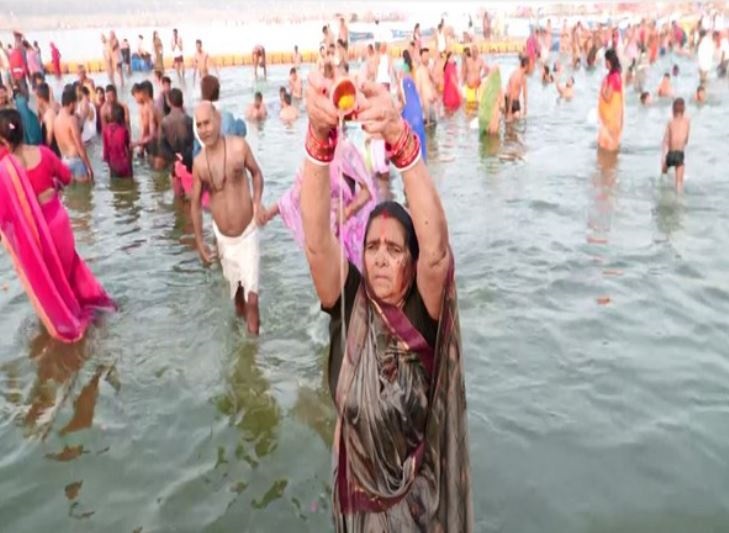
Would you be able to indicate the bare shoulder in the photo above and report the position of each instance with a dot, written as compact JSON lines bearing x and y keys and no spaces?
{"x":238,"y":144}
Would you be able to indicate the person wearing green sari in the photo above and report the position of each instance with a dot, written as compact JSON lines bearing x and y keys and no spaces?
{"x":489,"y":110}
{"x":400,"y":452}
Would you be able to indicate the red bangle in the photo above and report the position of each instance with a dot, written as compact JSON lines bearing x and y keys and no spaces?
{"x":319,"y":150}
{"x":400,"y":143}
{"x":406,"y":151}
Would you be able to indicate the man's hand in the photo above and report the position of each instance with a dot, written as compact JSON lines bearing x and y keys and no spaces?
{"x":259,"y":214}
{"x":206,"y":255}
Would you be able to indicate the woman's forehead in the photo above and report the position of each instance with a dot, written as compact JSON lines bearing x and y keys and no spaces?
{"x":388,"y":228}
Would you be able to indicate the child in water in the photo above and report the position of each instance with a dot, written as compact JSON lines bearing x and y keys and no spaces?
{"x":675,"y":141}
{"x":117,"y":150}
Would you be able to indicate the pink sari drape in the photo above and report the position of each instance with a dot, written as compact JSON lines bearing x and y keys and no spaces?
{"x":182,"y":184}
{"x":39,"y":239}
{"x":349,"y":162}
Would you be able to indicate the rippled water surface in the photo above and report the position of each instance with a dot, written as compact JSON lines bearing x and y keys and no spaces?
{"x":594,"y":304}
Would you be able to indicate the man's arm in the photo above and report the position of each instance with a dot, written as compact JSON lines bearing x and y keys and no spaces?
{"x":49,"y":129}
{"x":256,"y":179}
{"x":196,"y":215}
{"x":524,"y":89}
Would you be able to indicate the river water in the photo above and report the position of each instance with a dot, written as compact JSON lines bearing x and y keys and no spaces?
{"x":593,"y":307}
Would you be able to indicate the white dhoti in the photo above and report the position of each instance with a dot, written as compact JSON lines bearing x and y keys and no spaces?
{"x":240,"y":258}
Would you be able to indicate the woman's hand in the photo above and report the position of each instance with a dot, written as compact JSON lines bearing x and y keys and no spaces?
{"x":323,"y":116}
{"x":378,"y":114}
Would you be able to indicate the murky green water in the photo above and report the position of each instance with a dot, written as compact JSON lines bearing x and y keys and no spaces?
{"x":594,"y":306}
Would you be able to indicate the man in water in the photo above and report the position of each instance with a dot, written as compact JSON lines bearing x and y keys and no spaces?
{"x":700,"y":96}
{"x":142,"y":50}
{"x":295,"y":86}
{"x":222,"y":168}
{"x":288,"y":113}
{"x":664,"y":88}
{"x":424,"y":85}
{"x":675,"y":141}
{"x":84,"y":80}
{"x":126,"y":56}
{"x":297,"y":57}
{"x":259,"y":60}
{"x":47,"y":113}
{"x":473,"y":70}
{"x":645,"y":98}
{"x":370,"y":64}
{"x":68,"y":136}
{"x":116,"y":58}
{"x":149,"y":120}
{"x":566,"y":91}
{"x":515,"y":89}
{"x":202,"y":62}
{"x":705,"y":55}
{"x":176,"y":138}
{"x":160,"y":103}
{"x":110,"y":101}
{"x":179,"y":58}
{"x":257,"y":110}
{"x":229,"y":125}
{"x":18,"y":64}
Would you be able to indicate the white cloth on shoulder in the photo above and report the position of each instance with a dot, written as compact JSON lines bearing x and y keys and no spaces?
{"x":240,"y":258}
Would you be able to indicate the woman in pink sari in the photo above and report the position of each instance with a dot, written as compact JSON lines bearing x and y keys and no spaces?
{"x":349,"y":178}
{"x":37,"y":233}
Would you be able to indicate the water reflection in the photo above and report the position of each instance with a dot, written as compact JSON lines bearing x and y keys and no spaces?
{"x":125,"y":198}
{"x":314,"y":406}
{"x":490,"y":146}
{"x":249,"y":404}
{"x":78,"y":199}
{"x":58,"y":368}
{"x":513,"y":147}
{"x":602,"y":197}
{"x":668,"y":210}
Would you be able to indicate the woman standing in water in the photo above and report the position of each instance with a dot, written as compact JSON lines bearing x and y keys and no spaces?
{"x":610,"y":105}
{"x":401,"y":459}
{"x":37,"y":233}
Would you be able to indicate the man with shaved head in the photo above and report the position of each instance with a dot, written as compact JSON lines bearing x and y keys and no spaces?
{"x":222,"y":167}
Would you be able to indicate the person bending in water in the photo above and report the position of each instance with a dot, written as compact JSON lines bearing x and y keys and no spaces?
{"x":222,"y":167}
{"x":664,"y":88}
{"x":515,"y":89}
{"x":257,"y":110}
{"x":67,"y":133}
{"x":675,"y":141}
